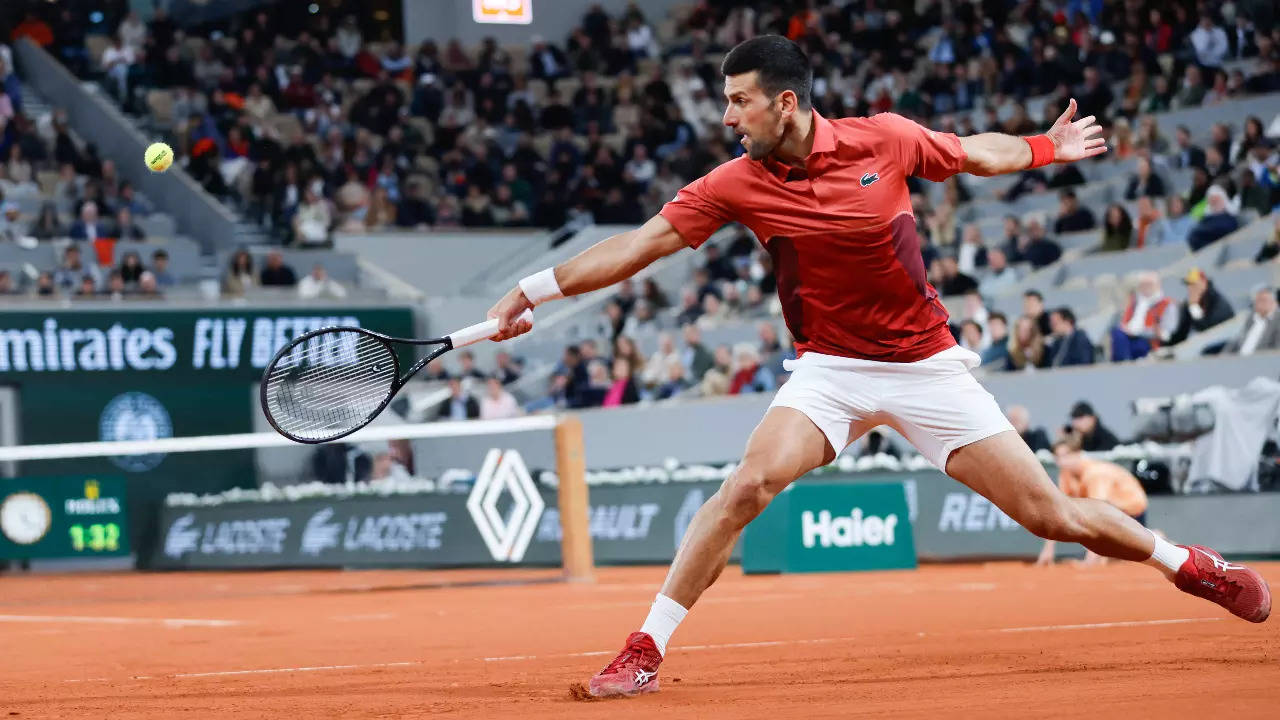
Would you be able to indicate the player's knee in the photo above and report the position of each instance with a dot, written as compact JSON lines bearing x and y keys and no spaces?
{"x":1060,"y":520}
{"x":745,"y":495}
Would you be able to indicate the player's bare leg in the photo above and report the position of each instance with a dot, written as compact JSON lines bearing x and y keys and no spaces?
{"x":785,"y":445}
{"x":1003,"y":469}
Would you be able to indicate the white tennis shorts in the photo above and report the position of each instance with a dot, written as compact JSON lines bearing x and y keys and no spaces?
{"x":934,"y":403}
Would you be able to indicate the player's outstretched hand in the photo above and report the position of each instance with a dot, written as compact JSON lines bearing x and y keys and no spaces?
{"x":1076,"y":140}
{"x":507,"y":311}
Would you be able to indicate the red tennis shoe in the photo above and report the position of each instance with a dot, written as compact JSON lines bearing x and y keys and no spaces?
{"x":633,"y":672}
{"x":1206,"y":574}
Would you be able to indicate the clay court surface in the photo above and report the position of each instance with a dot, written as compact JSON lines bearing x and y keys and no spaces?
{"x":995,"y":640}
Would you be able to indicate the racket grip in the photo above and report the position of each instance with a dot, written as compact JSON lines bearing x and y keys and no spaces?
{"x":482,"y":331}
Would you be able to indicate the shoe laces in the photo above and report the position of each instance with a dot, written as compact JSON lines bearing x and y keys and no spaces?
{"x":632,"y":652}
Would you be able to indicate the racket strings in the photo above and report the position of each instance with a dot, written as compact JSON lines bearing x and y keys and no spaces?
{"x":330,"y":385}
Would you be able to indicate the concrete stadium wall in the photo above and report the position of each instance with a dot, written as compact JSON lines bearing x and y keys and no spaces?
{"x":439,"y":264}
{"x":97,"y":120}
{"x":441,"y":20}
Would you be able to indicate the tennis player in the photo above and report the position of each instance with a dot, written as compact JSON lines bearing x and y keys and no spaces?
{"x":828,"y":200}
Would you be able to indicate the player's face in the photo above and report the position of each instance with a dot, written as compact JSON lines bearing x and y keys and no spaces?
{"x":753,"y":115}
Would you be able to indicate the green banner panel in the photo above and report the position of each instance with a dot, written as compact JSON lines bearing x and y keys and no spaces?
{"x":823,"y":528}
{"x":63,"y":517}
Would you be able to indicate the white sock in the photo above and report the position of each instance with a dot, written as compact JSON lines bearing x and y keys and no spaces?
{"x":664,"y":617}
{"x":1167,"y":557}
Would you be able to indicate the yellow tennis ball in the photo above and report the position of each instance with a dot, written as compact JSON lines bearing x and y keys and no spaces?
{"x":159,"y":157}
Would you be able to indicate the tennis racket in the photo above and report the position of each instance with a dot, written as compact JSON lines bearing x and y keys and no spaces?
{"x":331,"y":382}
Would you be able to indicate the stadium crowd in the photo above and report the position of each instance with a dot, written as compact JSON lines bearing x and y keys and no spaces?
{"x":309,"y":121}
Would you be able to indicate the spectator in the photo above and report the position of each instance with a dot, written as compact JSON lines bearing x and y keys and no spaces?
{"x":949,"y":280}
{"x":117,"y":61}
{"x":1033,"y":307}
{"x":1175,"y":227}
{"x":147,"y":287}
{"x":45,"y":286}
{"x":597,"y":385}
{"x":1144,"y":182}
{"x":1068,"y":345}
{"x":319,"y":285}
{"x":160,"y":269}
{"x":1149,"y":319}
{"x":509,"y":370}
{"x":1037,"y":248}
{"x":999,"y":276}
{"x":460,"y":405}
{"x":1093,"y":435}
{"x":622,"y":389}
{"x":1204,"y":307}
{"x":131,"y":269}
{"x":695,"y":355}
{"x":1026,"y":345}
{"x":1210,"y":42}
{"x":1193,"y":89}
{"x":1083,"y":477}
{"x":239,"y":276}
{"x":497,"y":403}
{"x":88,"y":288}
{"x":414,"y":210}
{"x":6,"y":283}
{"x":467,"y":369}
{"x":1218,"y":221}
{"x":971,"y":256}
{"x":1270,"y":249}
{"x":126,"y":229}
{"x":1072,"y":217}
{"x":641,"y":319}
{"x":1262,"y":330}
{"x":997,"y":352}
{"x":115,"y":286}
{"x":88,"y":227}
{"x":312,"y":221}
{"x":275,"y":273}
{"x":748,"y":375}
{"x":1189,"y":154}
{"x":1117,"y":229}
{"x":971,"y":337}
{"x":674,"y":382}
{"x":11,"y":226}
{"x":72,"y":271}
{"x":47,"y":226}
{"x":1020,"y":418}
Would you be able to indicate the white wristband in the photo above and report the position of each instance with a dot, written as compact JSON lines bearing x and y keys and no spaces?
{"x":541,"y":287}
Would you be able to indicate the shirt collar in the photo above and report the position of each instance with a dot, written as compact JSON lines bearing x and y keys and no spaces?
{"x":824,"y":141}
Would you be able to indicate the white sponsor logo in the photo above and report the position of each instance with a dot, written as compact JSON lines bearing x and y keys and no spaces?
{"x":394,"y":533}
{"x":643,"y":678}
{"x":608,"y":522}
{"x":508,"y":537}
{"x":852,"y":530}
{"x":693,"y":501}
{"x":135,"y":416}
{"x":970,"y":512}
{"x":319,"y":534}
{"x":181,"y":538}
{"x":228,"y":537}
{"x":94,"y":506}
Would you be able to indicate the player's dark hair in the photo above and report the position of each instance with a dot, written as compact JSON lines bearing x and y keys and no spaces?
{"x":781,"y":64}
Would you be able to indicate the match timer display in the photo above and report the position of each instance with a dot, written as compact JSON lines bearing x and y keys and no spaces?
{"x":63,"y":517}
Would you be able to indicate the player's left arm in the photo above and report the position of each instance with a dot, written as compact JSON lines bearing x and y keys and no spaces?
{"x":1067,"y":141}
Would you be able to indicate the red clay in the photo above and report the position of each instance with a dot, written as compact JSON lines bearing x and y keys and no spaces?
{"x":1000,"y":640}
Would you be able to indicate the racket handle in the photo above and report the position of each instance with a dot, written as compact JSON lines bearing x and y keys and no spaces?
{"x":482,"y":331}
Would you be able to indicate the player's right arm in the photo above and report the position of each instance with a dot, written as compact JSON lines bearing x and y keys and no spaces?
{"x":607,"y":262}
{"x":697,"y":211}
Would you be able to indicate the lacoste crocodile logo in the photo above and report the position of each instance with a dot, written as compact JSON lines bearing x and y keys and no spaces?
{"x":868,"y":178}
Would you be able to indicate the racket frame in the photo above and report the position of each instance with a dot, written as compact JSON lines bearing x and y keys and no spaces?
{"x":445,"y":343}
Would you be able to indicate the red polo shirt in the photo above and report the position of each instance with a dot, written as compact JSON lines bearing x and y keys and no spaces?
{"x":841,"y":234}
